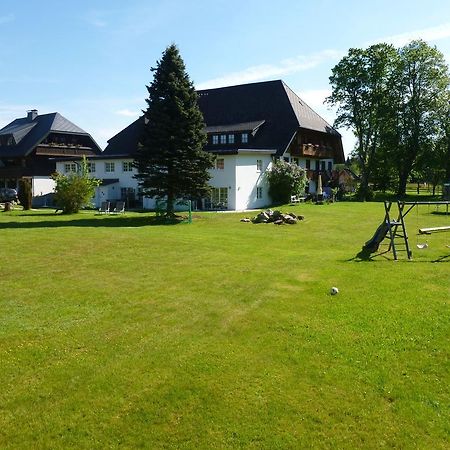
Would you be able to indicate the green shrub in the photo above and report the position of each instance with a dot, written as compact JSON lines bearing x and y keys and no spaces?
{"x":74,"y":190}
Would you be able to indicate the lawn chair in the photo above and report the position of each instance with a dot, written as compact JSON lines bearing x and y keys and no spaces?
{"x":119,"y":208}
{"x":104,"y":208}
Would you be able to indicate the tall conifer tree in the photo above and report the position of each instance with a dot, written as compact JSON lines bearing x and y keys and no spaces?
{"x":171,"y":161}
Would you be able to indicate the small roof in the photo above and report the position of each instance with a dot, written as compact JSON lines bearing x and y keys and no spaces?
{"x":108,"y":181}
{"x":244,"y":126}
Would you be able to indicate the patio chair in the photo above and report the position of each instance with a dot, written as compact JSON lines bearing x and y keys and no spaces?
{"x":119,"y":208}
{"x":104,"y":208}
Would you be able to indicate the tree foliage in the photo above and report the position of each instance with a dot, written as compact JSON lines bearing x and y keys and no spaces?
{"x":75,"y":190}
{"x":171,"y":161}
{"x":285,"y":179}
{"x":417,"y":102}
{"x":359,"y":84}
{"x":392,"y":100}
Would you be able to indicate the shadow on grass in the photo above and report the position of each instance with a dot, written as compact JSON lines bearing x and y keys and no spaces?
{"x":366,"y":255}
{"x":110,"y":222}
{"x":441,"y":213}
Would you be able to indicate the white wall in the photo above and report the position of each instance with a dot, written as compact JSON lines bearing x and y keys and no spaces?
{"x":226,"y":177}
{"x":239,"y":175}
{"x":112,"y":191}
{"x":42,"y":186}
{"x":248,"y":178}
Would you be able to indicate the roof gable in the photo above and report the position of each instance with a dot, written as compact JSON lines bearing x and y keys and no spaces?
{"x":28,"y":133}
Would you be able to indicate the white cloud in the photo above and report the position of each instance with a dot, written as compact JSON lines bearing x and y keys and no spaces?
{"x":6,"y":19}
{"x":427,"y":34}
{"x":265,"y":71}
{"x":127,"y":113}
{"x":314,"y":97}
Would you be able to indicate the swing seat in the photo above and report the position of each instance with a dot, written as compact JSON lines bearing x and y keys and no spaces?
{"x":422,"y":246}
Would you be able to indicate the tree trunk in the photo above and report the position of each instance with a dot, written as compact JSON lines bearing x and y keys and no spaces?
{"x":170,"y":204}
{"x":364,"y":186}
{"x":402,"y":181}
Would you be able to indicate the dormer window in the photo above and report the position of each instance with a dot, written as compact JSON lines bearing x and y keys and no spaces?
{"x":244,"y":138}
{"x":215,"y":139}
{"x":231,"y":138}
{"x":223,"y":138}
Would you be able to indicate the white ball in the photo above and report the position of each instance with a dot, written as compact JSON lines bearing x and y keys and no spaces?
{"x":334,"y":291}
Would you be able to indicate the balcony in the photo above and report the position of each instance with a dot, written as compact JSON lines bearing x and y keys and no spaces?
{"x":63,"y":150}
{"x":313,"y":151}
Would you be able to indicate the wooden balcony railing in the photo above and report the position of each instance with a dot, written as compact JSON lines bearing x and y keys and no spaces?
{"x":313,"y":151}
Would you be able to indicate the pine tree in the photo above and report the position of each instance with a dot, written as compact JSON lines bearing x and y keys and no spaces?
{"x":171,"y":162}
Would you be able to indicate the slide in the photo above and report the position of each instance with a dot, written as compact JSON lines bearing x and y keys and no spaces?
{"x":374,"y":242}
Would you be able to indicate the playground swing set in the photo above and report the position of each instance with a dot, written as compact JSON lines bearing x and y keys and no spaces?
{"x":394,"y":229}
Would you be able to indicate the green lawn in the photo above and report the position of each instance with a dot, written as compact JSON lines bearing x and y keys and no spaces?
{"x":220,"y":334}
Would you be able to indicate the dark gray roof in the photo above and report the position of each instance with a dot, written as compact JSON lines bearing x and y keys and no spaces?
{"x":28,"y":133}
{"x":126,"y":141}
{"x":306,"y":116}
{"x":246,"y":126}
{"x":269,"y":110}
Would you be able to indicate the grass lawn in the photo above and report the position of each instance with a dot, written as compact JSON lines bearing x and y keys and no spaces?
{"x":220,"y":334}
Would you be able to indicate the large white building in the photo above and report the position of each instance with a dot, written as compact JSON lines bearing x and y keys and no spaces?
{"x":248,"y":126}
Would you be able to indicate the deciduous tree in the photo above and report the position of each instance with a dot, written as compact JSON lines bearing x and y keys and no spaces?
{"x":359,"y":83}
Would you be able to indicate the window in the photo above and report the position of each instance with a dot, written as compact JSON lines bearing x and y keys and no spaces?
{"x":127,"y":166}
{"x":91,"y":167}
{"x":70,"y":167}
{"x":127,"y":193}
{"x":259,"y":192}
{"x":330,"y":165}
{"x":317,"y":164}
{"x":215,"y":139}
{"x":223,"y":138}
{"x":322,"y":166}
{"x":286,"y":159}
{"x":109,"y":167}
{"x":308,"y":164}
{"x":259,"y":165}
{"x":219,"y":198}
{"x":231,"y":138}
{"x":244,"y":138}
{"x":220,"y":163}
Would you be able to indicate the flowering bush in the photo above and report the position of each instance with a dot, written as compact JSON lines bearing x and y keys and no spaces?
{"x":285,"y":179}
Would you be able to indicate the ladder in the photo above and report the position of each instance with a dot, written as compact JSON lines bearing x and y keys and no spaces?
{"x":397,"y":229}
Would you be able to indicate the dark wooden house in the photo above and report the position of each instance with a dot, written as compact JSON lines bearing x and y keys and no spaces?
{"x":29,"y":146}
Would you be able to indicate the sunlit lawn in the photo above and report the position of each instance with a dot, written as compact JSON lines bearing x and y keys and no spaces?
{"x":221,"y":334}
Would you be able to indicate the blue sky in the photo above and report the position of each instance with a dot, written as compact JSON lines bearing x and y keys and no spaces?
{"x":90,"y":60}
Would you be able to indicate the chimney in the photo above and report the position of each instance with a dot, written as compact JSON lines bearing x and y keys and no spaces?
{"x":32,"y":114}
